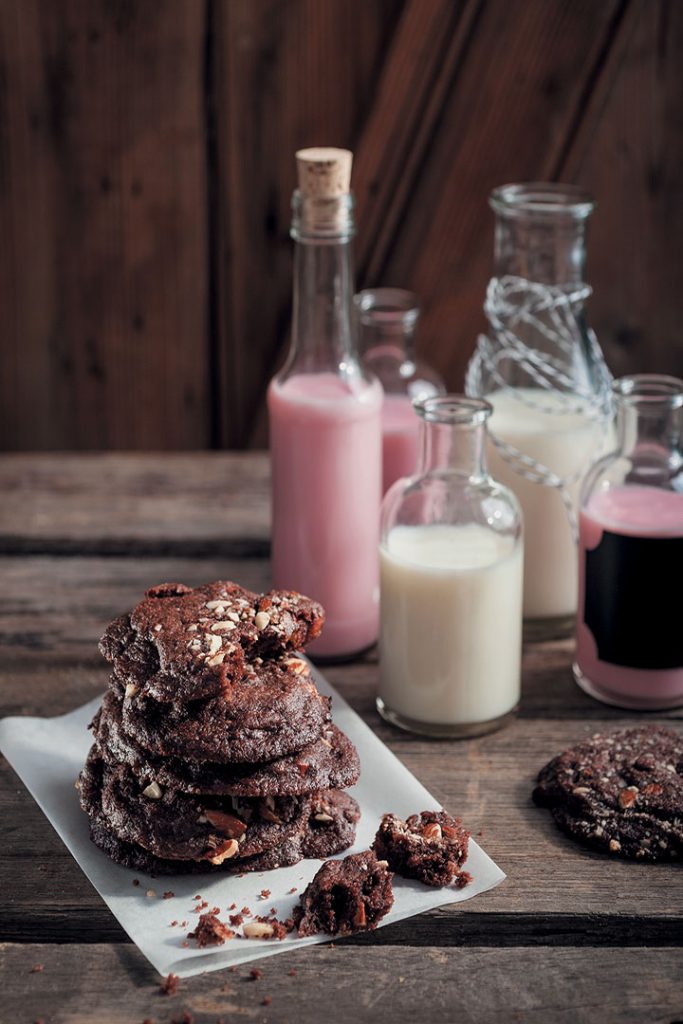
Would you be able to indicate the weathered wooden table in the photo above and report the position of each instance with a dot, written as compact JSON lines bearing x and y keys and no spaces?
{"x":570,"y":936}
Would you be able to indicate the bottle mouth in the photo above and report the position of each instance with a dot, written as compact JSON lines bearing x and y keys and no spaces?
{"x":453,"y":410}
{"x":384,"y":307}
{"x":649,"y":390}
{"x":542,"y":199}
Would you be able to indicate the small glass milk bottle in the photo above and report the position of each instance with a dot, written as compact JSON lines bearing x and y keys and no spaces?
{"x":629,"y":639}
{"x":325,"y":422}
{"x":388,"y":321}
{"x":451,"y":583}
{"x":541,"y":369}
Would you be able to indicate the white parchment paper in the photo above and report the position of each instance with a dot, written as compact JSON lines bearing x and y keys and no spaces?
{"x":48,"y":753}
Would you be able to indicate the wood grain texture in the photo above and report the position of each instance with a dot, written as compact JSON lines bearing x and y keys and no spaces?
{"x":146,"y":167}
{"x":103,"y":281}
{"x":212,"y":504}
{"x":629,"y":152}
{"x":566,"y":986}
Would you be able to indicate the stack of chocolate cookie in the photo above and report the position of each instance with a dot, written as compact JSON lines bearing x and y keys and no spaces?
{"x":213,"y":748}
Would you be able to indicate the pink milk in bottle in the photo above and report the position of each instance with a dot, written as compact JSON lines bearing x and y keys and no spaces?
{"x":325,"y":446}
{"x":629,"y":641}
{"x":325,"y":423}
{"x":400,"y":437}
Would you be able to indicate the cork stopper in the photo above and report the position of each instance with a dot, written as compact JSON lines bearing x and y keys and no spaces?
{"x":324,"y":172}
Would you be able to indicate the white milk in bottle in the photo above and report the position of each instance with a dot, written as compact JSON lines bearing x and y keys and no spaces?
{"x":565,"y":443}
{"x":450,"y":583}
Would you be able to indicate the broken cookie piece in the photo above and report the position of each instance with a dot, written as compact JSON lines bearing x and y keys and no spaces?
{"x":431,"y":847}
{"x":346,"y":896}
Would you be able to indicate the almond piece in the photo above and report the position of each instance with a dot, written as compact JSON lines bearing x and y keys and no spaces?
{"x":360,"y":919}
{"x":224,"y":852}
{"x":628,"y":796}
{"x":258,"y":930}
{"x":228,"y":824}
{"x":153,"y":791}
{"x":262,"y":620}
{"x":432,"y":830}
{"x":131,"y":689}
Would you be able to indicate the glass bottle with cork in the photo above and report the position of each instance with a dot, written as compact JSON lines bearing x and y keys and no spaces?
{"x":325,"y":422}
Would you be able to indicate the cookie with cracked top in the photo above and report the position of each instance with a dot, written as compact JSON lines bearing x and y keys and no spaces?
{"x":345,"y":896}
{"x":177,"y":826}
{"x":328,"y":762}
{"x":620,"y":793}
{"x":431,"y":846}
{"x":315,"y":840}
{"x":262,"y":718}
{"x":182,"y":643}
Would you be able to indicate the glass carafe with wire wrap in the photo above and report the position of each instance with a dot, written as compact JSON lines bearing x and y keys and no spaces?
{"x":542,"y":370}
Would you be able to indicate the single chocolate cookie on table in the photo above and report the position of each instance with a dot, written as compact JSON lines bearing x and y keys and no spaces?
{"x":328,"y":762}
{"x":431,"y":847}
{"x":183,"y":644}
{"x":620,"y":792}
{"x":266,"y":716}
{"x":345,"y":896}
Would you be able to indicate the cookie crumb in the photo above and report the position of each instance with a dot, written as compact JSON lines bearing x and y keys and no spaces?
{"x":37,"y":969}
{"x":255,"y":974}
{"x":211,"y":932}
{"x":266,"y":1001}
{"x":136,"y":881}
{"x":292,"y":973}
{"x":168,"y":895}
{"x":169,"y":985}
{"x":264,"y":894}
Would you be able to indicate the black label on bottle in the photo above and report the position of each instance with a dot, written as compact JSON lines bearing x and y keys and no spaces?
{"x":633,"y":602}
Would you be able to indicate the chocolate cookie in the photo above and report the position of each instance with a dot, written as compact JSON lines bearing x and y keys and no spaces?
{"x":177,"y":826}
{"x":620,"y":792}
{"x":260,"y":719}
{"x":431,"y":846}
{"x":329,"y":762}
{"x":313,"y":841}
{"x":184,"y":644}
{"x":346,"y":896}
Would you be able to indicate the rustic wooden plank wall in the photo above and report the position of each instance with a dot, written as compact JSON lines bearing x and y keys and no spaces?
{"x":146,"y":170}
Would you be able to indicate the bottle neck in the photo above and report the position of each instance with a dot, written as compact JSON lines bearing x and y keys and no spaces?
{"x":456,"y":448}
{"x":323,"y":330}
{"x":549,"y":250}
{"x":650,"y":429}
{"x":388,"y":321}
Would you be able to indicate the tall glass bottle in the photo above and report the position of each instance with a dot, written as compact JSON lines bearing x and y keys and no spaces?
{"x":629,"y":639}
{"x":541,"y":369}
{"x":325,"y":422}
{"x":388,"y":321}
{"x":451,"y":583}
